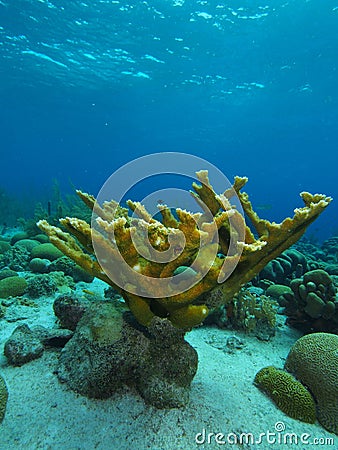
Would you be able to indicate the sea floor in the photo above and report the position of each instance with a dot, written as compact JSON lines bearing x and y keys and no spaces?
{"x":44,"y":414}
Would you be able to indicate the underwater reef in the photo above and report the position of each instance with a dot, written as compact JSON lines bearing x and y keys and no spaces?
{"x":219,"y":254}
{"x":312,"y":304}
{"x":308,"y":387}
{"x":236,"y":257}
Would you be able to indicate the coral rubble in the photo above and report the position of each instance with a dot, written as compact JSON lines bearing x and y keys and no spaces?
{"x":217,"y":244}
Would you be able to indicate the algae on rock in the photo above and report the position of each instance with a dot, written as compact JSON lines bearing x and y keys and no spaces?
{"x":110,"y":350}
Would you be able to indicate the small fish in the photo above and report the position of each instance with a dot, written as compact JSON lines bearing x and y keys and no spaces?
{"x":264,"y":207}
{"x":87,"y":291}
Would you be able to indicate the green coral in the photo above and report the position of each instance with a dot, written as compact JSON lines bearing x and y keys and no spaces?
{"x":312,"y":303}
{"x":314,"y":361}
{"x":289,"y":395}
{"x":3,"y":398}
{"x":4,"y":246}
{"x":12,"y":287}
{"x":46,"y":251}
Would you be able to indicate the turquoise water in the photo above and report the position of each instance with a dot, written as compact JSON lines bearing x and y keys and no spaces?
{"x":249,"y":85}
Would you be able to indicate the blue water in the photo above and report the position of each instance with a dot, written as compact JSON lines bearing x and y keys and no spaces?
{"x":249,"y":85}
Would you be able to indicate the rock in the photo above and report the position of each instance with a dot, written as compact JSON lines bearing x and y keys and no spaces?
{"x":22,"y":346}
{"x":110,"y":349}
{"x":69,"y":309}
{"x":56,"y":337}
{"x":169,"y":367}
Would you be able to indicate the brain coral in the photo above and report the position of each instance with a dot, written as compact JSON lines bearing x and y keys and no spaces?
{"x":289,"y":394}
{"x":314,"y":361}
{"x":12,"y":286}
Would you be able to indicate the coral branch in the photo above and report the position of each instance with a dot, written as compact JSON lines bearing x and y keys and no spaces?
{"x":144,"y":255}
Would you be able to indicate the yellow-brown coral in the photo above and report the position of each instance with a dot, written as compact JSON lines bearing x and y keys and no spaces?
{"x":200,"y":241}
{"x":313,"y":359}
{"x":289,"y":394}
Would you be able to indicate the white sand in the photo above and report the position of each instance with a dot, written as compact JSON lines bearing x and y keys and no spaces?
{"x":44,"y":414}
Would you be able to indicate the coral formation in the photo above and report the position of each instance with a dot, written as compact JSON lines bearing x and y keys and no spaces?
{"x":290,"y":395}
{"x":277,"y":290}
{"x":12,"y":286}
{"x":114,"y":231}
{"x":253,"y":313}
{"x":330,"y":249}
{"x":281,"y":270}
{"x":16,"y":258}
{"x":5,"y":273}
{"x":312,"y":305}
{"x":19,"y":236}
{"x":48,"y":283}
{"x":321,"y":257}
{"x":42,"y":284}
{"x":250,"y":310}
{"x":28,"y":244}
{"x":313,"y":359}
{"x":68,"y":267}
{"x":42,"y":238}
{"x":4,"y":246}
{"x":46,"y":251}
{"x":39,"y":265}
{"x":3,"y":398}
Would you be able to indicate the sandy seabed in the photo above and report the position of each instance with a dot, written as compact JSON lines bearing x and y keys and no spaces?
{"x":44,"y":414}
